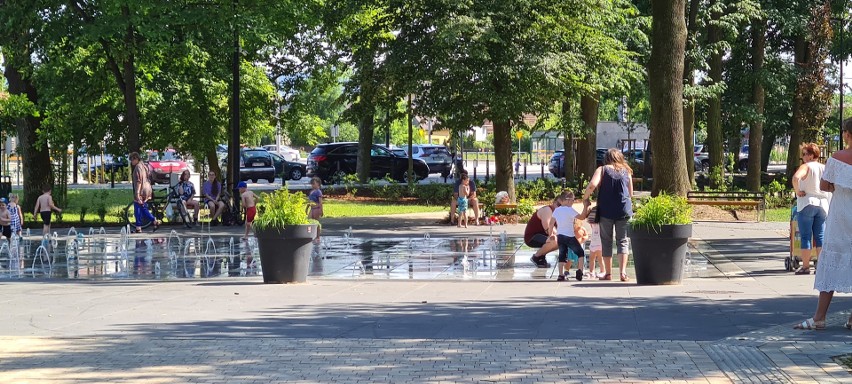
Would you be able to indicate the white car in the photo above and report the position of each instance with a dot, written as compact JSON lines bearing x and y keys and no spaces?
{"x":286,"y":152}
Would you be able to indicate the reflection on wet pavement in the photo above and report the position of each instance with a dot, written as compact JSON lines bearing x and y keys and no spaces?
{"x":100,"y":256}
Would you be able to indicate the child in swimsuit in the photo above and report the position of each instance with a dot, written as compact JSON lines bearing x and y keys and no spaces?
{"x":248,"y":200}
{"x":44,"y":207}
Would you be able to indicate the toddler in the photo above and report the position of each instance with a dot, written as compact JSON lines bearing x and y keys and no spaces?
{"x":16,"y":213}
{"x":464,"y":191}
{"x":563,"y":220}
{"x":595,"y":248}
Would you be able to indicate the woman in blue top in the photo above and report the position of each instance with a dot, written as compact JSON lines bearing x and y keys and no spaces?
{"x":615,"y":180}
{"x":186,"y":191}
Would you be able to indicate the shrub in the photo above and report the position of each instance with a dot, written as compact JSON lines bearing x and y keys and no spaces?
{"x":83,"y":211}
{"x":350,"y":182}
{"x":435,"y":193}
{"x":280,"y":209}
{"x":654,"y":212}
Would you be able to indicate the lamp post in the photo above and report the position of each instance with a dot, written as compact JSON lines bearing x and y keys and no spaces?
{"x":234,"y":144}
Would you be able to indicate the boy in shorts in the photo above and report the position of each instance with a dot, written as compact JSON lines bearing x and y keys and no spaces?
{"x":249,"y":200}
{"x":44,"y":207}
{"x":563,"y":221}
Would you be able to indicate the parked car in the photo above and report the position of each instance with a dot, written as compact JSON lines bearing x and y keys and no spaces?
{"x":332,"y":162}
{"x":437,"y":157}
{"x":255,"y":164}
{"x":557,"y":162}
{"x":288,"y":170}
{"x":284,"y":151}
{"x":165,"y":163}
{"x":742,"y":163}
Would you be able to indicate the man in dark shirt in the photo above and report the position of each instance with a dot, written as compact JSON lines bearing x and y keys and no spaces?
{"x":473,"y":202}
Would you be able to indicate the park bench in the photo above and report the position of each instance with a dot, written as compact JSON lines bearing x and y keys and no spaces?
{"x":506,"y":206}
{"x":730,"y":199}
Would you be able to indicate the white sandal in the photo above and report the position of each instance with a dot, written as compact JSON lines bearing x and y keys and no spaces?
{"x":811,"y":324}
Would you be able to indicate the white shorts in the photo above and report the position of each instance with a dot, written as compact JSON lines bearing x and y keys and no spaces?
{"x":595,"y":238}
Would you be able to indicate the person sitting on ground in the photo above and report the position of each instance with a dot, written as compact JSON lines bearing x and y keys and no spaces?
{"x":539,"y":234}
{"x":566,"y":236}
{"x":211,"y":191}
{"x":186,"y":191}
{"x":472,"y":201}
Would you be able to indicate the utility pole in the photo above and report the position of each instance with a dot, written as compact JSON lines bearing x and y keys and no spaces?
{"x":234,"y":144}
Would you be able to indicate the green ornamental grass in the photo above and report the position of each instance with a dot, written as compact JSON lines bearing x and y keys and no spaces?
{"x":652,"y":213}
{"x":281,"y":209}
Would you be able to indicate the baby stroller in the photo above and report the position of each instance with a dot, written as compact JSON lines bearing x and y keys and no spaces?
{"x":792,"y":262}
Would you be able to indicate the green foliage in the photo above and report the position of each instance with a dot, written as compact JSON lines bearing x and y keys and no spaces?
{"x":526,"y":207}
{"x":541,"y":189}
{"x":777,"y":194}
{"x":654,"y":212}
{"x":280,"y":209}
{"x":350,"y":182}
{"x":436,"y":193}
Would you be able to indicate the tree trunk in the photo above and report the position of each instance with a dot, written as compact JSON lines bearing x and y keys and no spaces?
{"x":567,"y":143}
{"x":134,"y":126}
{"x":213,"y":164}
{"x":569,"y":157}
{"x":797,"y":125}
{"x":689,"y":105}
{"x":766,"y":151}
{"x":503,"y":158}
{"x":586,"y":146}
{"x":665,"y":75}
{"x":714,"y":108}
{"x":755,"y":135}
{"x":365,"y":144}
{"x":36,"y":166}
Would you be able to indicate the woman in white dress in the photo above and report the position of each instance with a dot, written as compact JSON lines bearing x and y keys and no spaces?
{"x":811,"y":205}
{"x":834,"y":271}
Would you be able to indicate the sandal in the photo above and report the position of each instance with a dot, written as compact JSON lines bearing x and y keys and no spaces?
{"x":811,"y":324}
{"x":624,"y":277}
{"x":848,"y":324}
{"x":803,"y":271}
{"x":606,"y":277}
{"x":156,"y":225}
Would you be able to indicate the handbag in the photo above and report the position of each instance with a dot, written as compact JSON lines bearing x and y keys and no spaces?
{"x":169,"y":211}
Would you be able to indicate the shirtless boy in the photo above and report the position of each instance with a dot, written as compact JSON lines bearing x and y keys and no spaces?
{"x":248,"y":199}
{"x":44,"y":206}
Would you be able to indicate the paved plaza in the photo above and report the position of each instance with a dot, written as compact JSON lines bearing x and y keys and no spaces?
{"x":731,"y":324}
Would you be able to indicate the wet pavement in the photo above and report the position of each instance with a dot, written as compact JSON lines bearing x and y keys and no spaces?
{"x":363,"y":316}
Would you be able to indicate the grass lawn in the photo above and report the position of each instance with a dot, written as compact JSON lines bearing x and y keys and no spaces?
{"x":346,"y":208}
{"x":778,"y":214}
{"x":115,"y":200}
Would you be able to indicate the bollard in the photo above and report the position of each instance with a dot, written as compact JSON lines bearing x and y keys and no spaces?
{"x":474,"y":168}
{"x":542,"y":169}
{"x":525,"y":169}
{"x":487,"y":170}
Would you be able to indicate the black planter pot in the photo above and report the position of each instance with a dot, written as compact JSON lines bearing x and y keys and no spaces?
{"x":659,"y":258}
{"x":285,"y":253}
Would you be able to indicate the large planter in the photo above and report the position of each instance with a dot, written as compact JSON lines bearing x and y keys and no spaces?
{"x":285,"y":253}
{"x":659,"y":258}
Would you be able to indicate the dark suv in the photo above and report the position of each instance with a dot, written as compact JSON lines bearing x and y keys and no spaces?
{"x":332,"y":162}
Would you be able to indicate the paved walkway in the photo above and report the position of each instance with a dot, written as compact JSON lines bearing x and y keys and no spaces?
{"x":732,"y":327}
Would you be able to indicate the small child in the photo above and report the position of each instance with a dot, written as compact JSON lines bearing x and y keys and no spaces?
{"x":563,"y":221}
{"x":315,"y":197}
{"x":595,"y":248}
{"x":17,"y":214}
{"x":248,"y":199}
{"x":5,"y":220}
{"x":44,"y":206}
{"x":462,"y":202}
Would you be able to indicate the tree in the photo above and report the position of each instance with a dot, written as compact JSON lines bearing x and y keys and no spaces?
{"x":21,"y":31}
{"x":498,"y":60}
{"x":665,"y":72}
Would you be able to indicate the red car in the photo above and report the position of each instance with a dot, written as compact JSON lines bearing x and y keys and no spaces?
{"x":162,"y":164}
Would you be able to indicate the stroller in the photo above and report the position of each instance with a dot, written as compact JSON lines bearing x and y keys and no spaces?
{"x":792,"y":262}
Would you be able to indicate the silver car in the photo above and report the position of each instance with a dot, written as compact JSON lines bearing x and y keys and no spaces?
{"x":437,"y":157}
{"x":284,"y":151}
